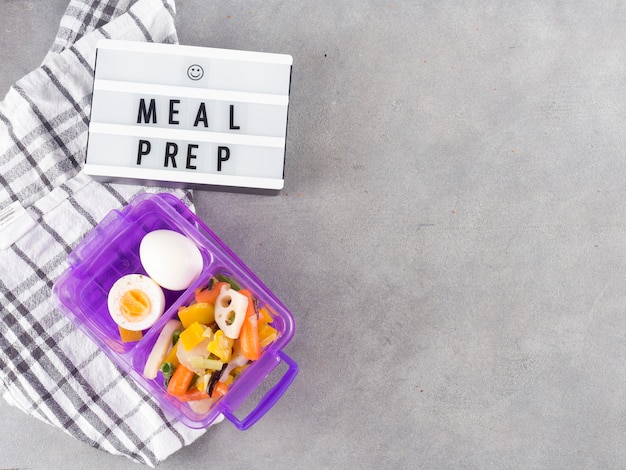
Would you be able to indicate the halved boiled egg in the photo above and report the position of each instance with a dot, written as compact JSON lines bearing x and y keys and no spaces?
{"x":136,"y":302}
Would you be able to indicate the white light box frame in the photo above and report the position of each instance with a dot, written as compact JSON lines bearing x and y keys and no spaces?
{"x":188,"y":116}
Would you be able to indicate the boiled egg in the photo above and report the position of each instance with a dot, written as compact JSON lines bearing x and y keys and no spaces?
{"x":170,"y":258}
{"x":135,"y":302}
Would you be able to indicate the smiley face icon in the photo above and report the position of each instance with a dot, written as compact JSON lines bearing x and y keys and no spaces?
{"x":195,"y":72}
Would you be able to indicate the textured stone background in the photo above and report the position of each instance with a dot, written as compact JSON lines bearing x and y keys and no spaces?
{"x":450,"y":238}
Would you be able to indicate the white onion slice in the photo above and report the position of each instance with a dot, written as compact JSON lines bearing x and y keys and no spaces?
{"x":160,"y":349}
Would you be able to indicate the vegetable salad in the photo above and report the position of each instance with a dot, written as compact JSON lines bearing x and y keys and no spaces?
{"x":200,"y":353}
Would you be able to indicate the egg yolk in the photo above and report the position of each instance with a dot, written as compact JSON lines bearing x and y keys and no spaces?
{"x":135,"y":305}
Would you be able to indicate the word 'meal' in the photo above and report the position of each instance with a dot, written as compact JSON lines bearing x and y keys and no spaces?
{"x":147,"y":114}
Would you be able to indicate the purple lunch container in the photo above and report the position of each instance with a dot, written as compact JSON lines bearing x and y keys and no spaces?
{"x":111,"y":250}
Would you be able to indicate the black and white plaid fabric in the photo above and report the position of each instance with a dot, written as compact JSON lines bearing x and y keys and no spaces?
{"x":47,"y":367}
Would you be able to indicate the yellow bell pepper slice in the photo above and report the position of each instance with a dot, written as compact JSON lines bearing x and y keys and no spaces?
{"x":221,"y":346}
{"x":267,"y":334}
{"x":202,"y":312}
{"x":171,"y":357}
{"x":128,"y":336}
{"x":191,"y":336}
{"x":264,"y":316}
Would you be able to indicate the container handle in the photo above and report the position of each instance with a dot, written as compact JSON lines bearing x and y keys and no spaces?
{"x":270,"y":398}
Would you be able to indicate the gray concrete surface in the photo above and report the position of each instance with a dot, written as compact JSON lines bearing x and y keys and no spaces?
{"x":451,"y":237}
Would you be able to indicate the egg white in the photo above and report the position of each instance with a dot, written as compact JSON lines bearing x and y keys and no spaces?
{"x":144,"y":284}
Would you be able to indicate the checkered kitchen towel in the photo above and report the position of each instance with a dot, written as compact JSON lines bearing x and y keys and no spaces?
{"x":47,"y":367}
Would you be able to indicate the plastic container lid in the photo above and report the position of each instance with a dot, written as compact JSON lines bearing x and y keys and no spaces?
{"x":111,"y":250}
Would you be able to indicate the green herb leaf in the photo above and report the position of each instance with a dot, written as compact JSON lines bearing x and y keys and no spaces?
{"x":233,"y":284}
{"x":167,"y":369}
{"x":192,"y":384}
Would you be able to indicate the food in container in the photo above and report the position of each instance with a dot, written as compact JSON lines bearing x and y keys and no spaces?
{"x":112,"y":251}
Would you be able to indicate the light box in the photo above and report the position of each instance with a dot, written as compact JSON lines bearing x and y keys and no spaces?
{"x":188,"y":116}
